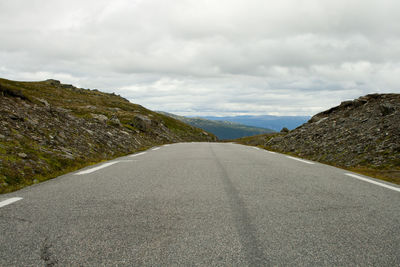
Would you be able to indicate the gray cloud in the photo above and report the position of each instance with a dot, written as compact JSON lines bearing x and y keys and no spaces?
{"x":208,"y":57}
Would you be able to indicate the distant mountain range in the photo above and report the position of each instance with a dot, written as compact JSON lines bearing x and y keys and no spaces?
{"x":222,"y":129}
{"x":275,"y":123}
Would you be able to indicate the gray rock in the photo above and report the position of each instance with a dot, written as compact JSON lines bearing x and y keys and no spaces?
{"x":141,"y":122}
{"x":53,"y":82}
{"x":22,"y":155}
{"x":387,"y":109}
{"x":114,"y":120}
{"x":44,"y":102}
{"x":99,"y":117}
{"x":91,"y":107}
{"x":67,"y":86}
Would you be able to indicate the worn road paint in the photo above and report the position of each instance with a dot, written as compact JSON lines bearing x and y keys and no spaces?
{"x":9,"y":201}
{"x":96,"y":168}
{"x":304,"y":161}
{"x":138,"y":154}
{"x":373,"y":182}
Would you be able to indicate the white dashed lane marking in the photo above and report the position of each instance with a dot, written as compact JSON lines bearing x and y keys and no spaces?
{"x":9,"y":201}
{"x":304,"y":161}
{"x":96,"y":168}
{"x":138,"y":154}
{"x":373,"y":182}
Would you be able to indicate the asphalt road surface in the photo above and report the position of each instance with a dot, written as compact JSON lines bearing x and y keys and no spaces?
{"x":202,"y":204}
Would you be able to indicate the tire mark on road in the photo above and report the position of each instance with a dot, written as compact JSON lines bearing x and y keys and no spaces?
{"x":246,"y":230}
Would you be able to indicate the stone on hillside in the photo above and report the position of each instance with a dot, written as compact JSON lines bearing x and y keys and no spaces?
{"x":141,"y":122}
{"x":67,"y":86}
{"x":99,"y":117}
{"x":22,"y":155}
{"x":387,"y":109}
{"x":115,"y":120}
{"x":91,"y":107}
{"x":63,"y":110}
{"x":44,"y":102}
{"x":53,"y":82}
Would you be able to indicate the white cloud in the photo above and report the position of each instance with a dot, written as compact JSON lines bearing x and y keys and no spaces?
{"x":208,"y":57}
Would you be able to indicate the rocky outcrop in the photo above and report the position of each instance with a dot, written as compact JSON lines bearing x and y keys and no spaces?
{"x":364,"y":132}
{"x":47,"y":128}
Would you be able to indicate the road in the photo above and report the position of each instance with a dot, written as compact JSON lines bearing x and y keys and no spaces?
{"x":202,"y":204}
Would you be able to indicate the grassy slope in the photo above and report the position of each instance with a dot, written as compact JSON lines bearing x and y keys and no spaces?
{"x":79,"y":101}
{"x":44,"y":161}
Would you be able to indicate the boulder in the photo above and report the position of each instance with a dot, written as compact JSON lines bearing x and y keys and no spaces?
{"x":114,"y":120}
{"x":99,"y":117}
{"x":22,"y":155}
{"x":141,"y":122}
{"x":284,"y":130}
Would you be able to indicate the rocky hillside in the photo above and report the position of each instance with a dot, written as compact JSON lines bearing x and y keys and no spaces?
{"x":222,"y":129}
{"x":361,"y":135}
{"x":49,"y":128}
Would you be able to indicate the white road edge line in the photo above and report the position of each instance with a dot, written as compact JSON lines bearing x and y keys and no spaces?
{"x":270,"y":152}
{"x":300,"y":160}
{"x":9,"y":201}
{"x":157,"y":148}
{"x":256,"y":148}
{"x":373,"y":182}
{"x":138,"y":154}
{"x":96,"y":168}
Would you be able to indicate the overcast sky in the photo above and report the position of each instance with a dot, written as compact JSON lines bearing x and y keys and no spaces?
{"x":216,"y":57}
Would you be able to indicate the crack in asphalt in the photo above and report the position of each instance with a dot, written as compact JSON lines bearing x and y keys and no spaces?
{"x":15,"y":219}
{"x":46,"y":255}
{"x":246,"y":230}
